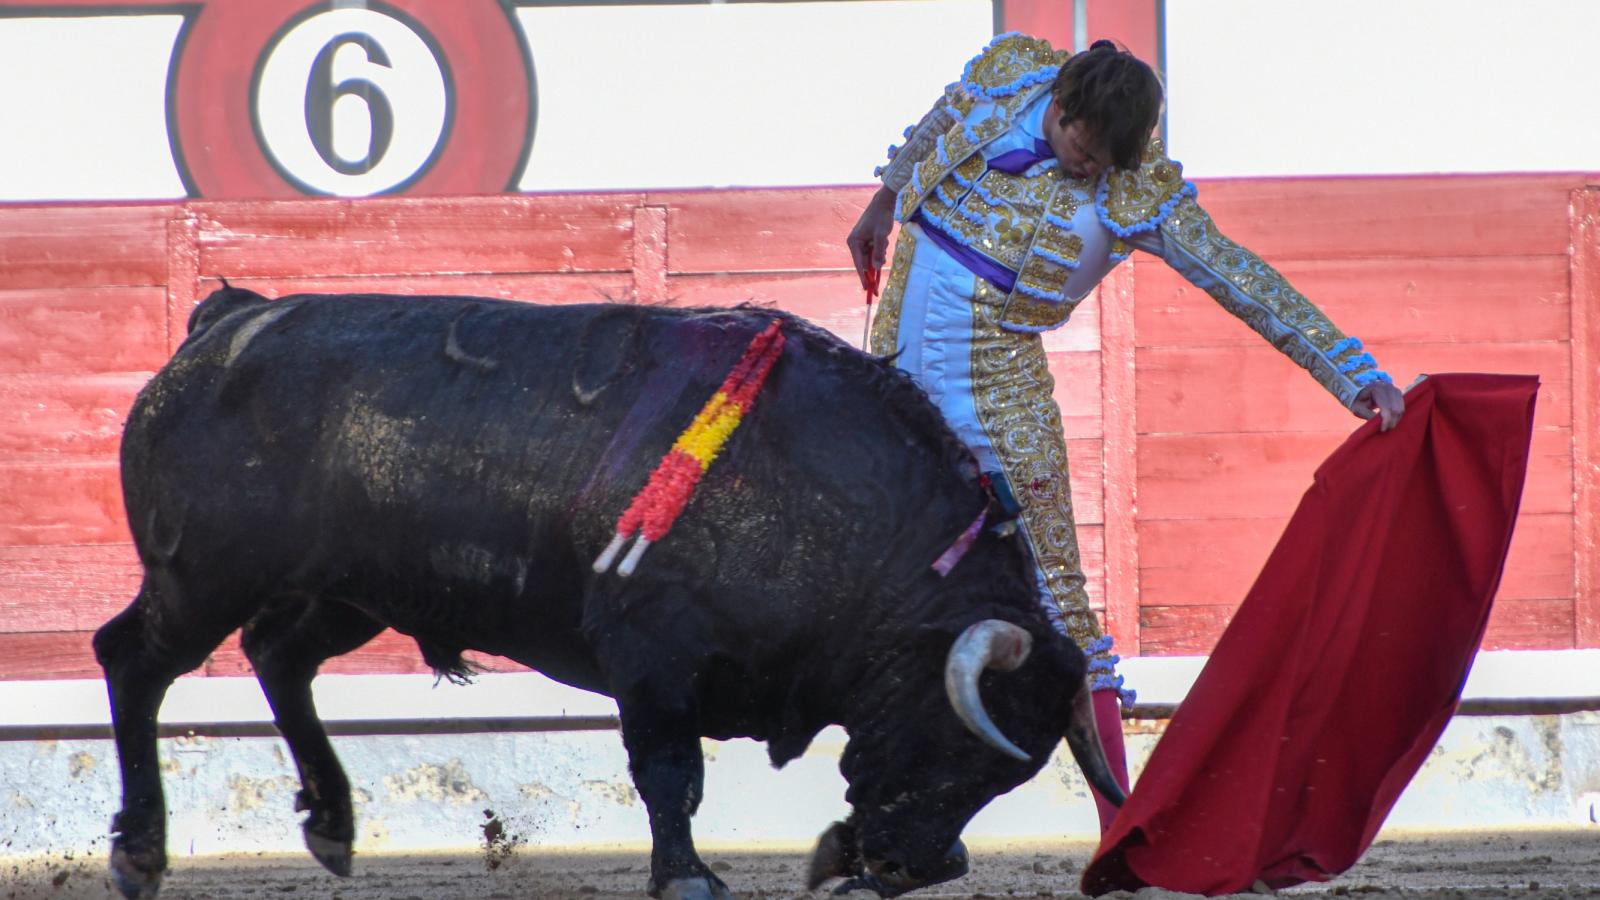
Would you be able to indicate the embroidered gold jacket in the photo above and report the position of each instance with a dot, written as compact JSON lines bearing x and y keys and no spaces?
{"x":1062,"y":236}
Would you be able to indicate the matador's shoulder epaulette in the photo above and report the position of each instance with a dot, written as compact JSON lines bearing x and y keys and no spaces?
{"x":1131,"y":201}
{"x":1011,"y":63}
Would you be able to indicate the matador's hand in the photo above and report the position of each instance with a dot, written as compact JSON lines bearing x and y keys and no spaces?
{"x":869,"y":240}
{"x":1380,"y":398}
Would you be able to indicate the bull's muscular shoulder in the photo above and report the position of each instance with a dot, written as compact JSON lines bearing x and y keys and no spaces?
{"x":1131,"y":201}
{"x":1010,"y":64}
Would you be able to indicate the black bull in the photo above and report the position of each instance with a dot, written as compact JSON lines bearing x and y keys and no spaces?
{"x":318,"y":468}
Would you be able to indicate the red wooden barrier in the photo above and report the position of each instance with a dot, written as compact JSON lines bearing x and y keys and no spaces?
{"x":1190,"y":439}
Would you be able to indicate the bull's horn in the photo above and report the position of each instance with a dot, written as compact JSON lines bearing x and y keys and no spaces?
{"x":1083,"y":737}
{"x":990,"y":644}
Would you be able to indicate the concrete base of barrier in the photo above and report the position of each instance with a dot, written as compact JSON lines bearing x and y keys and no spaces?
{"x":550,"y":772}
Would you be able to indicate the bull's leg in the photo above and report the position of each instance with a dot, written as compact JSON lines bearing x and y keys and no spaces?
{"x":286,"y":644}
{"x":655,"y":694}
{"x":141,"y":659}
{"x":661,"y":734}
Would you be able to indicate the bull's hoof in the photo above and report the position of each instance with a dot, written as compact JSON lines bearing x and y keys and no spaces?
{"x":334,"y":854}
{"x":695,"y":889}
{"x":133,"y":882}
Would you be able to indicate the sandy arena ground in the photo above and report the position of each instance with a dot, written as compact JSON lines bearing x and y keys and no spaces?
{"x":1456,"y":866}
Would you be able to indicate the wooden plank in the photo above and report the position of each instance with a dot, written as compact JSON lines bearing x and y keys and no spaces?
{"x":831,"y":299}
{"x":74,"y":503}
{"x":1228,"y":475}
{"x":390,"y":653}
{"x":761,"y":229}
{"x":1402,"y":216}
{"x":649,"y":254}
{"x":1584,"y":271}
{"x":1087,"y":471}
{"x":1256,"y":388}
{"x":183,"y":275}
{"x":46,"y":418}
{"x":66,"y":588}
{"x":1050,"y":20}
{"x":534,"y":288}
{"x":82,"y":330}
{"x":1201,"y":562}
{"x":1077,"y":377}
{"x":1135,"y":24}
{"x":1181,"y":630}
{"x":1083,"y":330}
{"x":1264,"y":475}
{"x":1515,"y":625}
{"x":45,"y":655}
{"x":1422,"y":300}
{"x":68,"y":246}
{"x":1092,"y":556}
{"x":1120,"y":428}
{"x":834,"y":300}
{"x":1530,"y":625}
{"x":512,"y":234}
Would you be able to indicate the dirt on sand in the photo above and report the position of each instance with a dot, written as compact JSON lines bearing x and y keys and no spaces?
{"x":1463,"y":865}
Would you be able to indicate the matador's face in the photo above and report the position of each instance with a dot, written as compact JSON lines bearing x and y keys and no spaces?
{"x":1080,"y":153}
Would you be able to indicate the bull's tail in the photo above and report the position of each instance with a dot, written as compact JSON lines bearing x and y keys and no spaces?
{"x":219,"y":304}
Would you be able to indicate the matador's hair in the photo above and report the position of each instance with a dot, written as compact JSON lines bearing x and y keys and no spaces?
{"x":1115,"y":95}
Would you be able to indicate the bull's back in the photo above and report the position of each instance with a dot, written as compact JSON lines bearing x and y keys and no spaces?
{"x":386,"y":429}
{"x":434,"y":445}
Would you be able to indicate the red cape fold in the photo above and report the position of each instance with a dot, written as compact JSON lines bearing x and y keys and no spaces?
{"x":1345,"y":661}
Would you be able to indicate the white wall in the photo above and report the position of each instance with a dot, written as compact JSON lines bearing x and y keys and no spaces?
{"x":676,"y":95}
{"x":1264,"y":87}
{"x":737,"y":94}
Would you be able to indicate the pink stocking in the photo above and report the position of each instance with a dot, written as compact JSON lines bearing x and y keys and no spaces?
{"x":1108,"y":718}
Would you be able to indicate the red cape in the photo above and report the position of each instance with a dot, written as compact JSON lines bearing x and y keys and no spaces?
{"x":1345,"y":661}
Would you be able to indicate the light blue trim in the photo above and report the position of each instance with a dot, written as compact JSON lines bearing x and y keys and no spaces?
{"x":1036,"y":293}
{"x":1053,"y":219}
{"x":989,"y":198}
{"x":1150,"y":224}
{"x":1349,"y":343}
{"x":1363,"y":379}
{"x":893,"y":149}
{"x":1022,"y":82}
{"x":940,"y":153}
{"x":1030,"y":329}
{"x":1356,"y":362}
{"x":1056,"y":258}
{"x":1102,"y":671}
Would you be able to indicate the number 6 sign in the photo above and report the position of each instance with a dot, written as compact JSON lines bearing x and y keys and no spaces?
{"x":279,"y":98}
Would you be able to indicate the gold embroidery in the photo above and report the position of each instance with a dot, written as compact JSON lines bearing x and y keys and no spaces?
{"x":886,"y":323}
{"x":1255,"y":292}
{"x":1135,"y":197}
{"x":1013,"y":392}
{"x":1011,"y":58}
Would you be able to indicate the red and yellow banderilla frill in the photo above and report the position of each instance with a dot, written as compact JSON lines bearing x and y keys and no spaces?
{"x":664,"y":496}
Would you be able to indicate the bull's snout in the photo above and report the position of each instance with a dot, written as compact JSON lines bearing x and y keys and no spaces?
{"x":838,"y":855}
{"x":890,"y":878}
